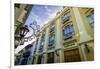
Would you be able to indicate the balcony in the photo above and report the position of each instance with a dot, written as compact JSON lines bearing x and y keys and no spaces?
{"x":68,"y":32}
{"x":68,"y":36}
{"x":41,"y":48}
{"x":51,"y":43}
{"x":52,"y":29}
{"x":91,"y":19}
{"x":66,"y":18}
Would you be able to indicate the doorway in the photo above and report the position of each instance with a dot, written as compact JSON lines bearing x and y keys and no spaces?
{"x":72,"y":55}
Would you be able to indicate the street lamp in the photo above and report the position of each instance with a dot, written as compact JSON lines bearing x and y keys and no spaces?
{"x":36,"y":32}
{"x":23,"y":31}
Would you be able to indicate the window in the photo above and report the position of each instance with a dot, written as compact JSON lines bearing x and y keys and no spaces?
{"x":50,"y":57}
{"x":51,"y":39}
{"x":52,"y":27}
{"x":17,"y":5}
{"x":41,"y":46}
{"x":91,"y":19}
{"x":65,"y":18}
{"x":43,"y":36}
{"x":68,"y":32}
{"x":42,"y":42}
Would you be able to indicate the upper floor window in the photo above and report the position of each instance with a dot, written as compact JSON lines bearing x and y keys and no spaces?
{"x":43,"y":36}
{"x":42,"y":42}
{"x":41,"y":46}
{"x":65,"y":18}
{"x":17,"y":5}
{"x":91,"y":19}
{"x":52,"y":26}
{"x":68,"y":31}
{"x":51,"y":39}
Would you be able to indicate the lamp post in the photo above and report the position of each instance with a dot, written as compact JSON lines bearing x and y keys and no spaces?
{"x":24,"y":30}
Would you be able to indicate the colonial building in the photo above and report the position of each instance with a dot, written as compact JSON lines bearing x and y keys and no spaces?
{"x":68,"y":37}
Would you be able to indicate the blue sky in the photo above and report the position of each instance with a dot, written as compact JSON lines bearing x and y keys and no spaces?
{"x":42,"y":14}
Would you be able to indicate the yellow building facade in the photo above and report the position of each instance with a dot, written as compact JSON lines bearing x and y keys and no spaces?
{"x":68,"y":37}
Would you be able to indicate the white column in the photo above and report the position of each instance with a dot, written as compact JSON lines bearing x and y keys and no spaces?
{"x":58,"y":34}
{"x":58,"y":41}
{"x":83,"y":52}
{"x":36,"y":59}
{"x":45,"y":58}
{"x":45,"y":45}
{"x":38,"y":45}
{"x":82,"y":31}
{"x":46,"y":40}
